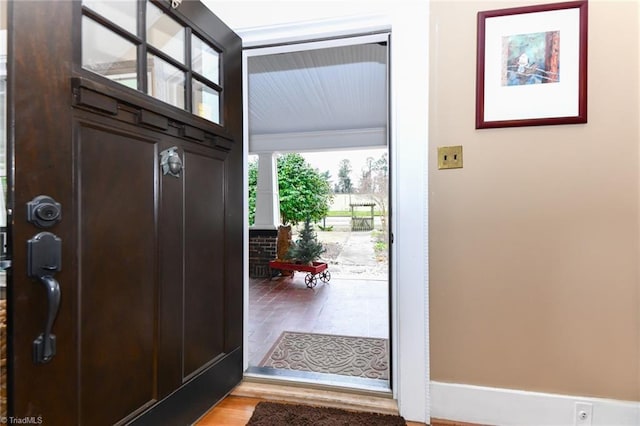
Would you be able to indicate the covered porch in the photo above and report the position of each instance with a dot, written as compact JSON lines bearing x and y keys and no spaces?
{"x":353,"y":304}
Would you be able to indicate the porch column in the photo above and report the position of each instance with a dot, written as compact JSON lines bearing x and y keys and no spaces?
{"x":267,"y":196}
{"x":263,"y":235}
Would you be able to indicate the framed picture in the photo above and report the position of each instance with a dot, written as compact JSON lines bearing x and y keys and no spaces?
{"x":532,"y":66}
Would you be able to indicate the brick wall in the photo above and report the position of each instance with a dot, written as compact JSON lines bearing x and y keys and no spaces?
{"x":262,"y":249}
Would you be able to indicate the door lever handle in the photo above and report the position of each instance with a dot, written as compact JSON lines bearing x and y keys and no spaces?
{"x":43,"y":261}
{"x":44,"y":346}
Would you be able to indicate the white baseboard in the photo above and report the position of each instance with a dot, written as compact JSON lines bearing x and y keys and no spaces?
{"x":495,"y":406}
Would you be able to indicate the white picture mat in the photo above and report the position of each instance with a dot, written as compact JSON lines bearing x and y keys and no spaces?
{"x":536,"y":100}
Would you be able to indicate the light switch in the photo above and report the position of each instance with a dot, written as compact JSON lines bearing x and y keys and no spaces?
{"x":450,"y":157}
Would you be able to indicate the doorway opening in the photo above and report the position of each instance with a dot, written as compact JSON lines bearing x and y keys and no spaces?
{"x":329,"y":105}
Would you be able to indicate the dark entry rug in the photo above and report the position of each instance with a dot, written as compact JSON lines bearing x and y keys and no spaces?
{"x":325,"y":353}
{"x":275,"y":414}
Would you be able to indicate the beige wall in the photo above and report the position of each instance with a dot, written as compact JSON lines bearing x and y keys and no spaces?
{"x":534,"y":244}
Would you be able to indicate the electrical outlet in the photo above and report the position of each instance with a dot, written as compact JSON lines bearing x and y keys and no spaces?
{"x":450,"y":157}
{"x":583,"y":414}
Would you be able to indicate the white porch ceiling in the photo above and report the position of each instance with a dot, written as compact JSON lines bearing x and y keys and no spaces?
{"x":332,"y":98}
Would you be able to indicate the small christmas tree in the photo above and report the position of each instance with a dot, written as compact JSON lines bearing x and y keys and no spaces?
{"x":307,"y":248}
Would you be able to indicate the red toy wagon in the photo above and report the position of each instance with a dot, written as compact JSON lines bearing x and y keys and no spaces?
{"x":315,"y":271}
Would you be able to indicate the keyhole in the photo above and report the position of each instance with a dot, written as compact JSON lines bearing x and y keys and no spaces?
{"x":445,"y":158}
{"x":47,"y":212}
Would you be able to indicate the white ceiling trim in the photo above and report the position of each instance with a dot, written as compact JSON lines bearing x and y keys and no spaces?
{"x":320,"y":44}
{"x":318,"y":141}
{"x":303,"y":32}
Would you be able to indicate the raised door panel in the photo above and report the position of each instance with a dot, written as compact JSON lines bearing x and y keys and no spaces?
{"x":118,"y":274}
{"x":204,"y":209}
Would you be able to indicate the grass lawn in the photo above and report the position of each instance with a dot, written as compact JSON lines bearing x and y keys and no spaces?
{"x":358,"y":213}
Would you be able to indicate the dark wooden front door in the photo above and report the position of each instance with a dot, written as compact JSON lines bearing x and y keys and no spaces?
{"x":149,"y":325}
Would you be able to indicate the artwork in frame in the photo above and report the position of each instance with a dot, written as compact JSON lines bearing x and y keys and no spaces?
{"x":532,"y":66}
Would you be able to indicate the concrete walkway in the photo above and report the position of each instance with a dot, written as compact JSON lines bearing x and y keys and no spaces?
{"x":356,"y":259}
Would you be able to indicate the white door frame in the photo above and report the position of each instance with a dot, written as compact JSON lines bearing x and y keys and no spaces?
{"x":408,"y":134}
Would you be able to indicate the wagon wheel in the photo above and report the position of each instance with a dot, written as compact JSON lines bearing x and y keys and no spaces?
{"x":310,"y":280}
{"x":325,"y":276}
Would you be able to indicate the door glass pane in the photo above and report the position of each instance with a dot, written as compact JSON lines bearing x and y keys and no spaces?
{"x":106,"y":53}
{"x":164,"y":33}
{"x":166,"y":81}
{"x":206,"y":102}
{"x":205,"y":59}
{"x":120,"y":12}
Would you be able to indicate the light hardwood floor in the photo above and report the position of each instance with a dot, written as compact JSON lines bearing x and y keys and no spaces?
{"x":316,"y":395}
{"x":237,"y":410}
{"x":232,"y":411}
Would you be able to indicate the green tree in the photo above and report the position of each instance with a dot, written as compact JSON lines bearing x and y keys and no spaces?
{"x":253,"y":184}
{"x":307,"y":248}
{"x":344,"y":185}
{"x":304,"y":191}
{"x":382,"y":165}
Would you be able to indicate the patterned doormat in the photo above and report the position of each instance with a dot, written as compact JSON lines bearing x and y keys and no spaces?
{"x":325,"y":353}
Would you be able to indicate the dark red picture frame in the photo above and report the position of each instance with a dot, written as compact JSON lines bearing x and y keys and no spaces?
{"x":581,"y":116}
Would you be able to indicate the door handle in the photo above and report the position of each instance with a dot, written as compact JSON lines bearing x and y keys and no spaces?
{"x":44,"y":346}
{"x":43,"y":261}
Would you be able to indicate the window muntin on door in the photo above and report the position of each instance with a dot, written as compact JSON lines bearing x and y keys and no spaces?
{"x":181,"y":67}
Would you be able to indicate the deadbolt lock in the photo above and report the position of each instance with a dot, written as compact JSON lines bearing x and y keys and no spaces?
{"x":43,"y":211}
